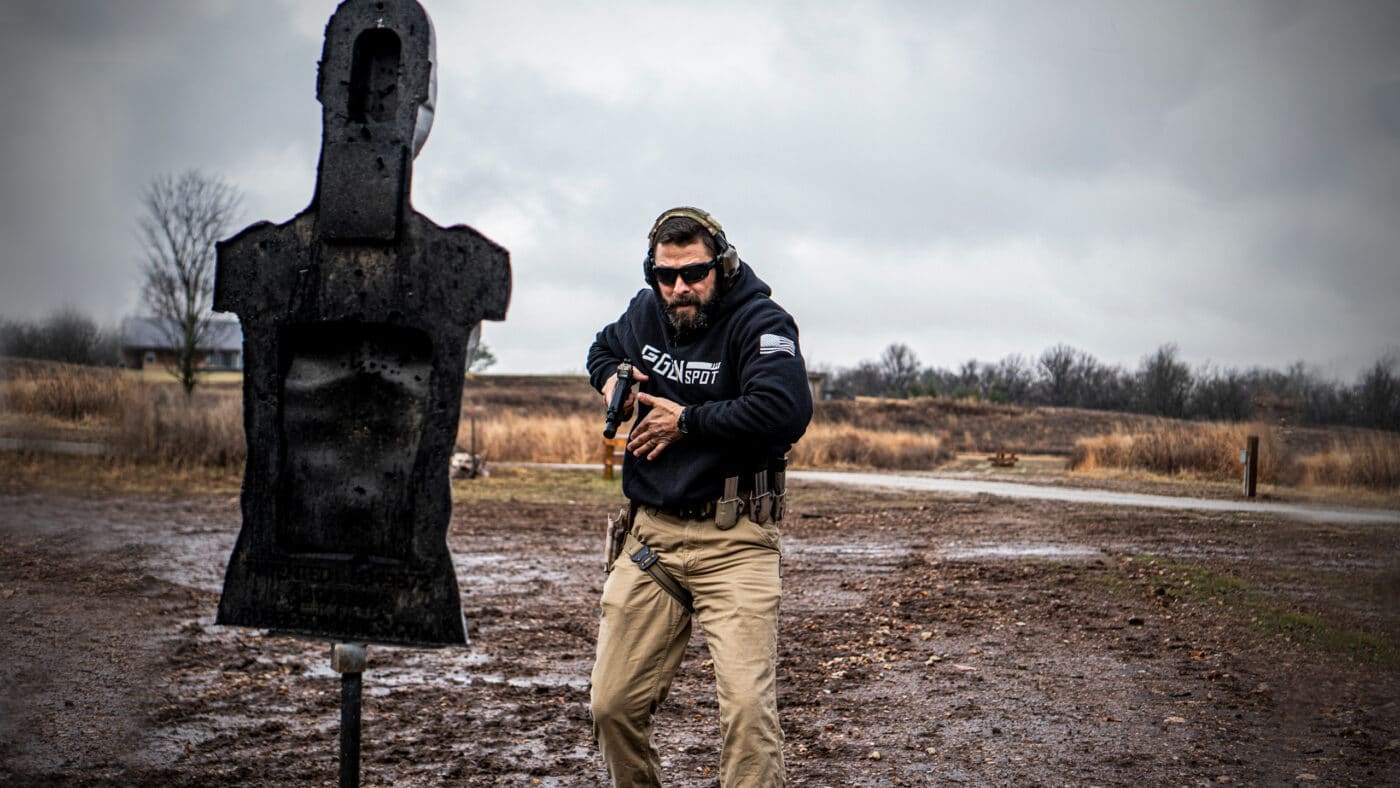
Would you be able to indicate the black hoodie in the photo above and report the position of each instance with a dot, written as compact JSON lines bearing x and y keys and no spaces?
{"x":742,"y":376}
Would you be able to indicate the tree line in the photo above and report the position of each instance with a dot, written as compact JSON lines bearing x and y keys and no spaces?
{"x":66,"y":335}
{"x":1162,"y":384}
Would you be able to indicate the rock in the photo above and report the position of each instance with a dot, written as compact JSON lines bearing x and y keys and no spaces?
{"x":874,"y":755}
{"x":1305,"y":777}
{"x":1175,"y":720}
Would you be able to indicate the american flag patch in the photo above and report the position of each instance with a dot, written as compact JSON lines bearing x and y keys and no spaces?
{"x":772,"y":343}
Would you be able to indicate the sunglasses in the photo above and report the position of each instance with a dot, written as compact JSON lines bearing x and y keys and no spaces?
{"x":692,"y":273}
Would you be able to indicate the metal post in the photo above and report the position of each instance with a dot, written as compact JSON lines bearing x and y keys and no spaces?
{"x":348,"y":659}
{"x":1251,"y":465}
{"x":476,"y":470}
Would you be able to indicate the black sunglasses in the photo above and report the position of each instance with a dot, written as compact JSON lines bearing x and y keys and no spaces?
{"x":692,"y":273}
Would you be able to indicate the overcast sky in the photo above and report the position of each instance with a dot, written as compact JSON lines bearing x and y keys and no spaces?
{"x":972,"y":179}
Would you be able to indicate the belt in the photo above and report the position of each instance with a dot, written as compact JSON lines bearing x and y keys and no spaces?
{"x":701,"y":511}
{"x":761,"y":493}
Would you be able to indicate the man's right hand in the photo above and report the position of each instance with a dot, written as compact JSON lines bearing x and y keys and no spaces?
{"x":629,"y":404}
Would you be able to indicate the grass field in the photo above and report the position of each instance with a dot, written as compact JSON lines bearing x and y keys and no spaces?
{"x":144,"y":417}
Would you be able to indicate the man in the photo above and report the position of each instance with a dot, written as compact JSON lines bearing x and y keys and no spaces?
{"x":723,"y":396}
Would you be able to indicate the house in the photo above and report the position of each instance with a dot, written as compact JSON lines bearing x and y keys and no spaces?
{"x":146,"y":341}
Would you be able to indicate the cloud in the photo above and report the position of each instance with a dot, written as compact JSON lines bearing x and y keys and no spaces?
{"x":973,"y":179}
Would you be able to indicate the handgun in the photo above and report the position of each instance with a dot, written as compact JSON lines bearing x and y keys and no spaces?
{"x":619,"y":399}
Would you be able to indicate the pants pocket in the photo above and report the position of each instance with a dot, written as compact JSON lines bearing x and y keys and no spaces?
{"x":766,"y":534}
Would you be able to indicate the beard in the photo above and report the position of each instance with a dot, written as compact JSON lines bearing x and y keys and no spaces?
{"x":695,"y":320}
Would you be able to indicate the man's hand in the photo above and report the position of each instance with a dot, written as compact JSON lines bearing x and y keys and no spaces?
{"x":659,"y":429}
{"x":627,"y":406}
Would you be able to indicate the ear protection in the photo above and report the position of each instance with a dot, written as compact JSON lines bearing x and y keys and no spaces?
{"x":727,"y":255}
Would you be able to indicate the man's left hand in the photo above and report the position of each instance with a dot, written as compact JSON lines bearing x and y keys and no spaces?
{"x":658,"y":430}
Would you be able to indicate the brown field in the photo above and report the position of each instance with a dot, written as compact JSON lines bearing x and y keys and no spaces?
{"x":558,"y":419}
{"x":925,"y":638}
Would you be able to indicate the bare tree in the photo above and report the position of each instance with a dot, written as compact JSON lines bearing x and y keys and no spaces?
{"x":1378,"y":396}
{"x":185,"y":215}
{"x":1057,"y":366}
{"x":1164,"y":382}
{"x":900,"y":368}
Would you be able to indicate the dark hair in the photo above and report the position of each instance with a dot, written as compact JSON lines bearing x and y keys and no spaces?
{"x":683,"y":230}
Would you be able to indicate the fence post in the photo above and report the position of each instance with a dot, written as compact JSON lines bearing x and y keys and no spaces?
{"x":611,"y":448}
{"x":1251,"y":465}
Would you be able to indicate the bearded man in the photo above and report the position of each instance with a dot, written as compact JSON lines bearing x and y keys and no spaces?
{"x":723,"y":395}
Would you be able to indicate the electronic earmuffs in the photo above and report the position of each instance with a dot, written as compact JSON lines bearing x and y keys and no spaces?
{"x":727,"y":255}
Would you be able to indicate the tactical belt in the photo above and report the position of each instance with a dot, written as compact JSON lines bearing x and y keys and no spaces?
{"x":646,"y":560}
{"x":762,"y":494}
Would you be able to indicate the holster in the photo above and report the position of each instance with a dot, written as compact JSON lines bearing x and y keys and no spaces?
{"x":617,"y":532}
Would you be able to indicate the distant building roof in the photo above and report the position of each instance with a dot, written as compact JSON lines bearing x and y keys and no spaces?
{"x":225,"y":333}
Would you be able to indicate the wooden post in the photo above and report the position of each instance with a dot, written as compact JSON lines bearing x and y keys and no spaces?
{"x":612,"y":453}
{"x":1251,"y":465}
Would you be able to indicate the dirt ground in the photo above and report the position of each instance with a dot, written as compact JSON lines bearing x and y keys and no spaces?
{"x":924,"y":639}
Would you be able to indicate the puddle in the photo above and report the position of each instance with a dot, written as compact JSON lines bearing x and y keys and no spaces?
{"x":974,"y":552}
{"x":865,"y":551}
{"x":460,"y":669}
{"x":502,"y":569}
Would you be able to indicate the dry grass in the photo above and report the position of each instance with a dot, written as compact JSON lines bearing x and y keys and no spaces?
{"x":507,"y":436}
{"x":845,"y":446}
{"x":1210,"y":451}
{"x":160,"y":424}
{"x":1356,"y":459}
{"x":66,"y":392}
{"x":1369,"y":460}
{"x":511,"y":437}
{"x":22,"y":472}
{"x":139,"y":421}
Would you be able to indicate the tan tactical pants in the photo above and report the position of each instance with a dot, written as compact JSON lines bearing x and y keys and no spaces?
{"x":734,"y":577}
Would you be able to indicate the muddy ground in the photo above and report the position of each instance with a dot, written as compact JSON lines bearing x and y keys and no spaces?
{"x":924,"y":639}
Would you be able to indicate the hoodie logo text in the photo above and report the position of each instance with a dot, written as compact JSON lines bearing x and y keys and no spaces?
{"x":699,"y":373}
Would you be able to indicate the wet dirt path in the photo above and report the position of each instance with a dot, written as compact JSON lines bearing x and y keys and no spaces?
{"x":1040,"y":492}
{"x":924,"y":639}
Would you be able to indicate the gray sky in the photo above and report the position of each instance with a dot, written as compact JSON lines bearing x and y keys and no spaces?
{"x":973,"y":179}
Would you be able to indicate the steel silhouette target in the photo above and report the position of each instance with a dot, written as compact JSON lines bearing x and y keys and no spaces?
{"x":356,"y":320}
